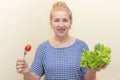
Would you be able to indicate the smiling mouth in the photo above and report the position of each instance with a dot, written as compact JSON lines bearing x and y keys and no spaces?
{"x":61,"y":30}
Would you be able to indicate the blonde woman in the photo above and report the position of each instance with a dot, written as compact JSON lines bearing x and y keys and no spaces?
{"x":59,"y":57}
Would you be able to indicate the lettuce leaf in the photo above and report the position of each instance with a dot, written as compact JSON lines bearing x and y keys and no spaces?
{"x":98,"y":57}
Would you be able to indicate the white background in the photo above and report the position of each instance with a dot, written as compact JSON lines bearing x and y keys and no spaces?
{"x":27,"y":21}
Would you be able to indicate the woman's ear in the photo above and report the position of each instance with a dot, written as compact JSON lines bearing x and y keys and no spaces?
{"x":71,"y":24}
{"x":70,"y":21}
{"x":51,"y":24}
{"x":51,"y":21}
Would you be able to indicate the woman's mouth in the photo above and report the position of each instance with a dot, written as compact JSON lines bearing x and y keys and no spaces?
{"x":61,"y":30}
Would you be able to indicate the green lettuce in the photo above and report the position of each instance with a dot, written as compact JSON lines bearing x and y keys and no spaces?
{"x":100,"y":56}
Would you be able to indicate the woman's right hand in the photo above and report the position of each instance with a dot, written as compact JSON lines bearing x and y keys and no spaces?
{"x":22,"y":66}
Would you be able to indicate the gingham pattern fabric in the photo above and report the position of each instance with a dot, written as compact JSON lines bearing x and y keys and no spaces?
{"x":59,"y":63}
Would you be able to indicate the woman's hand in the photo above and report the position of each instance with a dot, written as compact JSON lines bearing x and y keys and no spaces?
{"x":91,"y":74}
{"x":22,"y":67}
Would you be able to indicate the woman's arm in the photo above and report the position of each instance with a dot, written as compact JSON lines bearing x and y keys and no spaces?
{"x":31,"y":76}
{"x":90,"y":75}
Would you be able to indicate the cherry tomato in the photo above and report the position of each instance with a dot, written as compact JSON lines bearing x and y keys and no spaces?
{"x":27,"y":47}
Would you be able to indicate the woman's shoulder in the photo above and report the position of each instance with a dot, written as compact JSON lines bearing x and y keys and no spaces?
{"x":81,"y":43}
{"x":43,"y":44}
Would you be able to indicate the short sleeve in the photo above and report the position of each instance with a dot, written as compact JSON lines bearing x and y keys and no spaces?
{"x":84,"y":46}
{"x":84,"y":71}
{"x":37,"y":66}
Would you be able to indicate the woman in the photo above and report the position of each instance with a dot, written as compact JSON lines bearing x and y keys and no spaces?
{"x":59,"y":57}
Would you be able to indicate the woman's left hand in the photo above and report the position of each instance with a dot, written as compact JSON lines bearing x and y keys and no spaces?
{"x":91,"y":74}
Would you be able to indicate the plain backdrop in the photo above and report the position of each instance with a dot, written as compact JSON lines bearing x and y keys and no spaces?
{"x":27,"y":21}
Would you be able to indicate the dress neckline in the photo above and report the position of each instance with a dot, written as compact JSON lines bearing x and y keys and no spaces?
{"x":62,"y":47}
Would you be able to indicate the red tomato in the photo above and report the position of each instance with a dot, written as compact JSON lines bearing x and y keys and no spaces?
{"x":27,"y":47}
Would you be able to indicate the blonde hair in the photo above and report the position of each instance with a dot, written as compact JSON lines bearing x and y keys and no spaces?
{"x":60,"y":6}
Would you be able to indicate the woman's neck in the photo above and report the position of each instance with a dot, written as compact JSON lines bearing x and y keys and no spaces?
{"x":62,"y":41}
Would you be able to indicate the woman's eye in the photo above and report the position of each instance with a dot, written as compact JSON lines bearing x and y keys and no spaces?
{"x":65,"y":20}
{"x":56,"y":20}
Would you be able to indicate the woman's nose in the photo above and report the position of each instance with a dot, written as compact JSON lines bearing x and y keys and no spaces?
{"x":61,"y":24}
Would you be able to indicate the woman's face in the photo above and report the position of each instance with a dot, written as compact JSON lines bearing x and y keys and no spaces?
{"x":60,"y":23}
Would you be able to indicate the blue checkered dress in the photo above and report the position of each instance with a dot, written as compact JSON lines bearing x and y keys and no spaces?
{"x":59,"y":63}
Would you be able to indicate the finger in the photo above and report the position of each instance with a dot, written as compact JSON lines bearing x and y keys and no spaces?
{"x":21,"y":63}
{"x":20,"y":70}
{"x":20,"y":66}
{"x":90,"y":69}
{"x":98,"y":69}
{"x":21,"y":60}
{"x":104,"y":66}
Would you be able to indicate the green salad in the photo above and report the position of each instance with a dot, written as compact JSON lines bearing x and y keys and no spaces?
{"x":100,"y":56}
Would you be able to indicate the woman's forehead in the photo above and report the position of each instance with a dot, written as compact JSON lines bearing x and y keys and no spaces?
{"x":60,"y":14}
